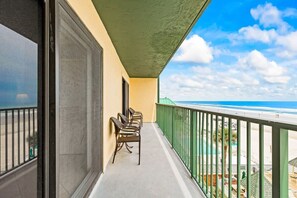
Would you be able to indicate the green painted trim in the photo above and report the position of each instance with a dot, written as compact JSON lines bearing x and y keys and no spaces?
{"x":199,"y":147}
{"x":230,"y":157}
{"x":279,"y":162}
{"x":261,"y":151}
{"x":217,"y":157}
{"x":211,"y":159}
{"x":202,"y":140}
{"x":248,"y":143}
{"x":185,"y":139}
{"x":173,"y":126}
{"x":193,"y":144}
{"x":238,"y":157}
{"x":223,"y":157}
{"x":207,"y":117}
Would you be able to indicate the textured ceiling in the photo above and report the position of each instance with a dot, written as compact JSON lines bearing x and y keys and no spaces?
{"x":146,"y":33}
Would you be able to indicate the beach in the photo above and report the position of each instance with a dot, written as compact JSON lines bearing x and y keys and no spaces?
{"x":15,"y":146}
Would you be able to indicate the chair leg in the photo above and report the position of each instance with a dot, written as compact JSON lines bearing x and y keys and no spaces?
{"x":127,"y":147}
{"x":139,"y":150}
{"x":115,"y":152}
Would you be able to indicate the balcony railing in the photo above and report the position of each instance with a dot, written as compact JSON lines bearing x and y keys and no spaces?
{"x":253,"y":162}
{"x":18,"y":137}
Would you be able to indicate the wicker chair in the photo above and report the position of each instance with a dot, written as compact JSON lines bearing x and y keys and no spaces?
{"x":125,"y":120}
{"x":135,"y":115}
{"x":125,"y":134}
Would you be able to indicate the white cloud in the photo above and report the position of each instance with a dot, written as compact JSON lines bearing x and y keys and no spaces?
{"x":270,"y":16}
{"x":277,"y":79}
{"x":195,"y":49}
{"x":289,"y":41}
{"x":254,"y":33}
{"x":270,"y":70}
{"x":185,"y":82}
{"x":290,"y":12}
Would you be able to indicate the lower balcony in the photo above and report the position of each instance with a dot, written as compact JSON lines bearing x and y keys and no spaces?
{"x":160,"y":174}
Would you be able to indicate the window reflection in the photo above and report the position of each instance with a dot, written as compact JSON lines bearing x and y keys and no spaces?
{"x":18,"y":69}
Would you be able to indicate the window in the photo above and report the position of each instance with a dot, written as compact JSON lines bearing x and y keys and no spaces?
{"x":78,"y":107}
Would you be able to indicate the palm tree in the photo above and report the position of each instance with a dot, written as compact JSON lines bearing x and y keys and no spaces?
{"x":226,"y":142}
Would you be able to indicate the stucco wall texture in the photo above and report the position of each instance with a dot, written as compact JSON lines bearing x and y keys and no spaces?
{"x":143,"y":96}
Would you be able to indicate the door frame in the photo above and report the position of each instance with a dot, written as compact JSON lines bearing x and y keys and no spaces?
{"x":50,"y":180}
{"x":125,"y":97}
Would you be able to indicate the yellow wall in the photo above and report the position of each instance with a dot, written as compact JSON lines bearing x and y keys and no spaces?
{"x":143,"y":96}
{"x":113,"y":71}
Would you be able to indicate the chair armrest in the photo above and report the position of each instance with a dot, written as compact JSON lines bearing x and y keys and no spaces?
{"x":137,"y":113}
{"x":136,"y":117}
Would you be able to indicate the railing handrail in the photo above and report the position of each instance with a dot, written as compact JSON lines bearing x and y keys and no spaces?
{"x":18,"y":108}
{"x":192,"y":131}
{"x":248,"y":118}
{"x":18,"y":135}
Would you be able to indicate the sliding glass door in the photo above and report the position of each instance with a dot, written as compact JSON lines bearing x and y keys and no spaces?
{"x":21,"y":96}
{"x":78,"y":107}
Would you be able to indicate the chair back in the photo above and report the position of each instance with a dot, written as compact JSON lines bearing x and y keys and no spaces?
{"x":131,"y":111}
{"x":117,"y":124}
{"x":123,"y":119}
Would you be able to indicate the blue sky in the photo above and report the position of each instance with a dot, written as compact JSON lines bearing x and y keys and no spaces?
{"x":18,"y":69}
{"x":238,"y":50}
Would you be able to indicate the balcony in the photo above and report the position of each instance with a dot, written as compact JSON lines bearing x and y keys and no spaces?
{"x":18,"y":137}
{"x":160,"y":174}
{"x":257,"y":160}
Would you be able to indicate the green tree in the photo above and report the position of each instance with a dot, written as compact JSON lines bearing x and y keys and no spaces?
{"x":226,"y":142}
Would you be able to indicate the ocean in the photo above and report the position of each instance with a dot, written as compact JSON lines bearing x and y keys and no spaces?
{"x":286,"y":107}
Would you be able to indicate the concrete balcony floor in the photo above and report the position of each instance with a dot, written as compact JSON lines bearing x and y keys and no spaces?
{"x":160,"y":174}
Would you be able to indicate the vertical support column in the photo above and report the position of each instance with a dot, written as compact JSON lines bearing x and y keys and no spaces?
{"x":193,"y":144}
{"x":248,"y":159}
{"x":261,"y":152}
{"x":238,"y":158}
{"x":199,"y":149}
{"x":223,"y":157}
{"x":206,"y":152}
{"x":217,"y":156}
{"x":211,"y":155}
{"x":202,"y":150}
{"x":230,"y":157}
{"x":279,"y":162}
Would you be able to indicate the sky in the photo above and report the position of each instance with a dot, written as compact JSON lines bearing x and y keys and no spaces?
{"x":18,"y":69}
{"x":237,"y":50}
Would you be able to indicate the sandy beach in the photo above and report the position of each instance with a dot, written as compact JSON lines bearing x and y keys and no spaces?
{"x":19,"y":136}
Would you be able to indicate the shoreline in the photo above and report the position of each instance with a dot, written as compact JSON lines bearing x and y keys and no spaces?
{"x":262,"y":115}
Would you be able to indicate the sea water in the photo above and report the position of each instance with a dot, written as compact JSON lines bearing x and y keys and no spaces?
{"x":283,"y":107}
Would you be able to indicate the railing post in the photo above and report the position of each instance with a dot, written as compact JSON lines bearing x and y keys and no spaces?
{"x":193,"y":144}
{"x":172,"y":126}
{"x":261,"y":170}
{"x":279,"y":162}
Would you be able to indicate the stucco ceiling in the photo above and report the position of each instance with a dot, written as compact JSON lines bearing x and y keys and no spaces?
{"x":146,"y":33}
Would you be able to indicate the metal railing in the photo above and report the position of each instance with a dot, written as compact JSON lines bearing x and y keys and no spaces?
{"x":18,"y":137}
{"x":223,"y":166}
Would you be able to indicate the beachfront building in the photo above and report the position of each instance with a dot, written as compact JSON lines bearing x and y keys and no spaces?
{"x":90,"y":60}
